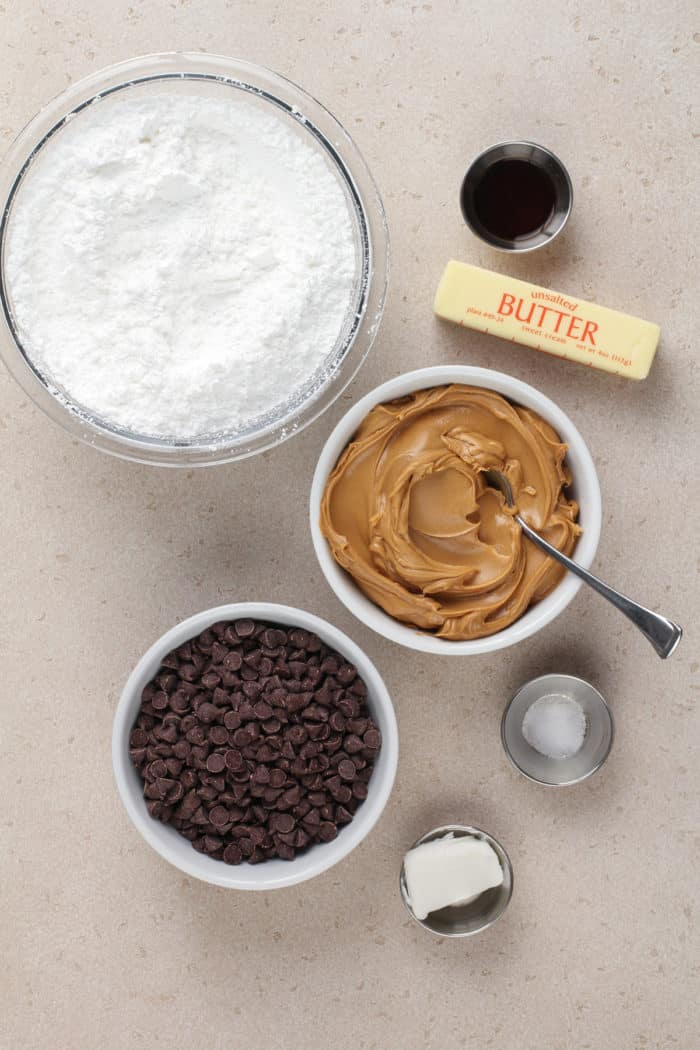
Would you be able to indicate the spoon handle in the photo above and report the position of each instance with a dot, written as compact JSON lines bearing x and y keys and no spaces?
{"x":663,"y":634}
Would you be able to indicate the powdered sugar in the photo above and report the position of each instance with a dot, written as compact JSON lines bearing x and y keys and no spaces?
{"x":180,"y":264}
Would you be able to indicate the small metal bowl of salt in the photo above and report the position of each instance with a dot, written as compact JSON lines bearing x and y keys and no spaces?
{"x":557,"y":730}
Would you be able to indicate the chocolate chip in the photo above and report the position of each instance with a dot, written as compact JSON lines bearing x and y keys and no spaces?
{"x":299,"y":638}
{"x":164,"y":785}
{"x":242,"y":738}
{"x":167,"y":733}
{"x":244,"y":628}
{"x":281,"y":822}
{"x":327,"y":831}
{"x":207,"y":712}
{"x":232,"y":854}
{"x":232,"y":720}
{"x":219,"y":816}
{"x":301,"y":838}
{"x":346,"y":769}
{"x":160,"y":701}
{"x":179,"y":702}
{"x":233,"y":760}
{"x":216,"y":763}
{"x":372,"y":739}
{"x":266,"y":753}
{"x":346,"y":674}
{"x":297,"y":735}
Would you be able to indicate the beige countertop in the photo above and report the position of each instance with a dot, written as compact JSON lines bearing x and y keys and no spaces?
{"x":105,"y":945}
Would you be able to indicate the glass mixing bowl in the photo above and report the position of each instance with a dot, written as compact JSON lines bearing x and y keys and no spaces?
{"x":210,"y":75}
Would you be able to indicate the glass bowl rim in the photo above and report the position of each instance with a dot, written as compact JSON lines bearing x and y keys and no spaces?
{"x":349,"y":165}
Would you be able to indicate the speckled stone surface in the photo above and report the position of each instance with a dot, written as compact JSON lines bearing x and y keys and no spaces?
{"x":107,"y":946}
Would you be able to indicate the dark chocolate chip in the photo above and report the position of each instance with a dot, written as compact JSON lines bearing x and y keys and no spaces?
{"x":282,"y":822}
{"x":207,"y":713}
{"x":346,"y":769}
{"x":216,"y":763}
{"x":234,"y":760}
{"x":232,"y":854}
{"x":219,"y":815}
{"x":242,"y":737}
{"x":244,"y":628}
{"x":232,"y":720}
{"x":372,"y":739}
{"x":327,"y":831}
{"x":160,"y":701}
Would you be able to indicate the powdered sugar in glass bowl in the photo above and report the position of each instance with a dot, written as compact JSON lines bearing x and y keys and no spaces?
{"x":301,"y":303}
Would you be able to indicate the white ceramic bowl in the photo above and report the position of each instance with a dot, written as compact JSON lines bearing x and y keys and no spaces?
{"x":585,"y":489}
{"x":271,"y":874}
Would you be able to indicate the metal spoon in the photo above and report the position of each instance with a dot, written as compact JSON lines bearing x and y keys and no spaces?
{"x":663,"y":634}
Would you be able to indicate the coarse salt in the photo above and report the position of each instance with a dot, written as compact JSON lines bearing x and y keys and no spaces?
{"x":180,"y":264}
{"x":555,"y":726}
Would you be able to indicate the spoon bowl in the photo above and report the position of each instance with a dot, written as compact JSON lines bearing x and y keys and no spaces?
{"x":663,"y":633}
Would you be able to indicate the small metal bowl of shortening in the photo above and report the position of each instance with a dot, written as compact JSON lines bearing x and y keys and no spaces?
{"x":464,"y":920}
{"x":597,"y":742}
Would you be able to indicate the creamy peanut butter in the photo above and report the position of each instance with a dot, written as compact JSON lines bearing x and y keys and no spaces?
{"x":407,"y":512}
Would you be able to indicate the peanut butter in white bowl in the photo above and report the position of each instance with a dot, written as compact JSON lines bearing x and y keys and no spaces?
{"x":414,"y":541}
{"x":408,"y":513}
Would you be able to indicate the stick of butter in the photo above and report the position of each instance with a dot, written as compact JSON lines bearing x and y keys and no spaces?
{"x":545,"y":320}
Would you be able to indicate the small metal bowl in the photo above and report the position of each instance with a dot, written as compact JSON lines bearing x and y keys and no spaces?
{"x":558,"y":772}
{"x":531,"y":153}
{"x":463,"y":920}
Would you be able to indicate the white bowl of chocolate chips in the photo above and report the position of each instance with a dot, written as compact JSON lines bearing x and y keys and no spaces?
{"x":254,"y":746}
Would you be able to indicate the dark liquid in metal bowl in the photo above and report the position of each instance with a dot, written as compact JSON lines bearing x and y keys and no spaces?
{"x":514,"y":198}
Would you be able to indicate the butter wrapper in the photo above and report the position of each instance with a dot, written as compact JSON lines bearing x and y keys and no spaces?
{"x":552,"y":322}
